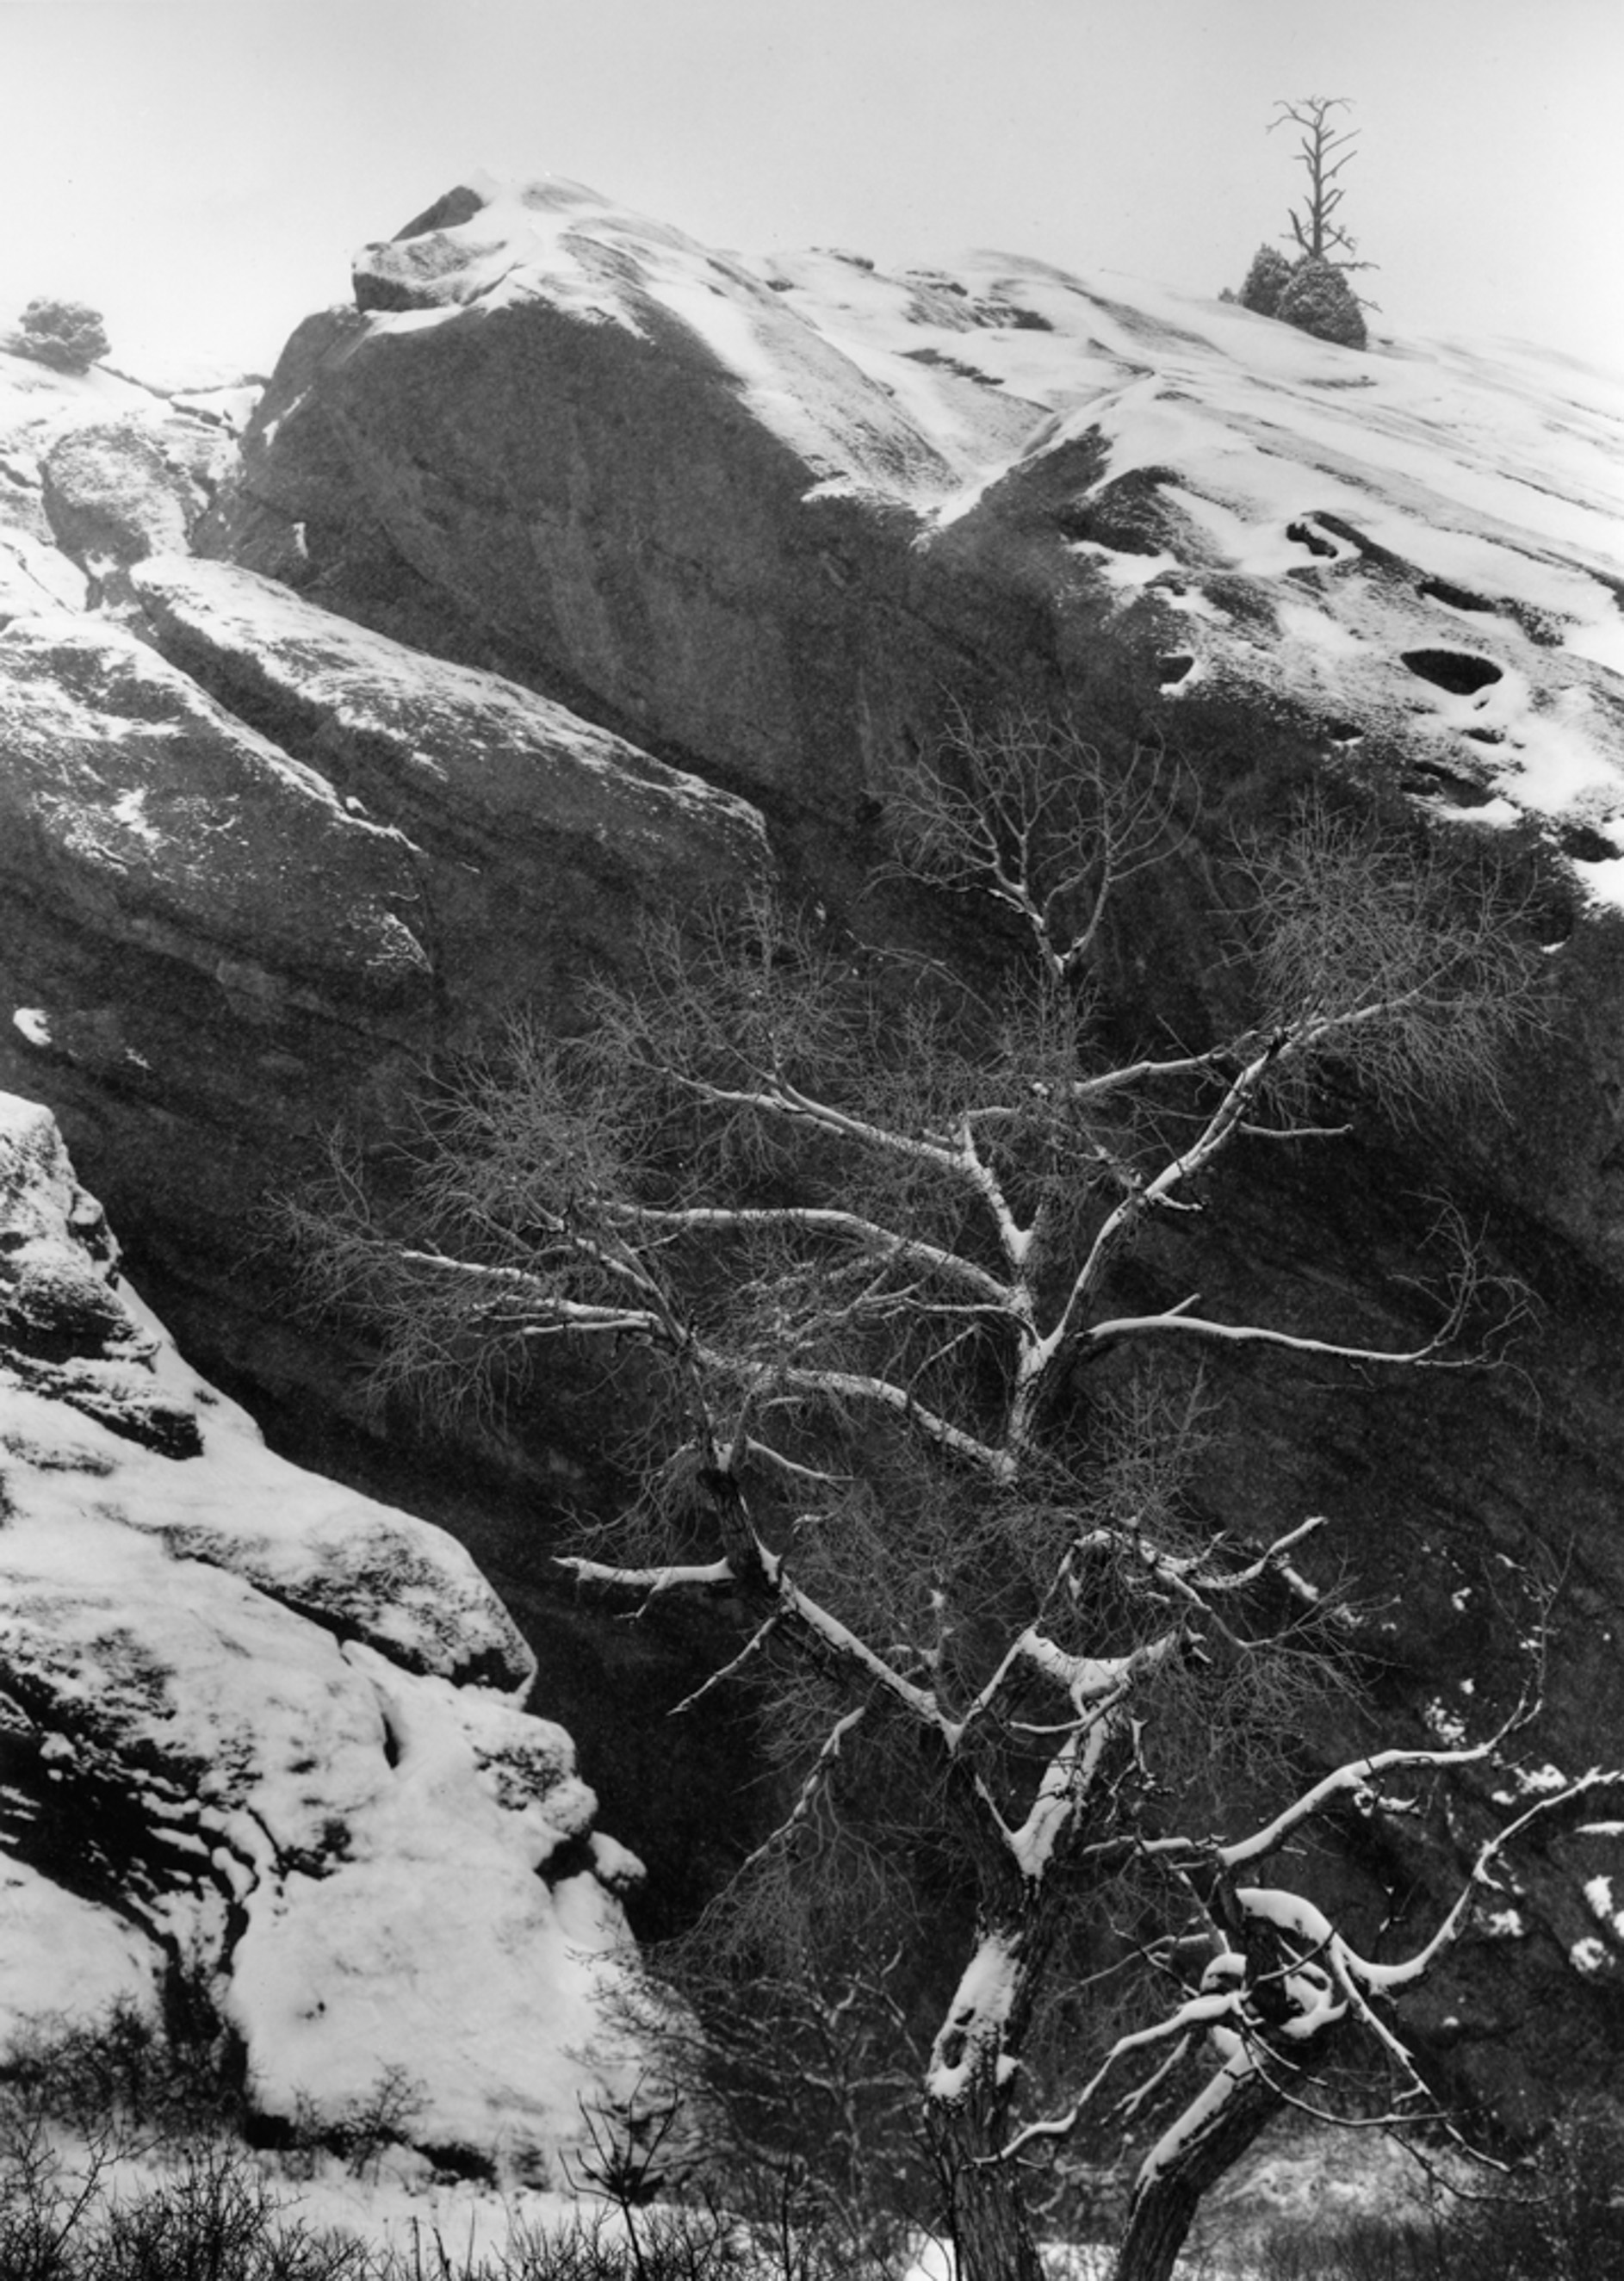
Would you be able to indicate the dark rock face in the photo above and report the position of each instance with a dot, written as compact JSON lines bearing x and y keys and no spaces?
{"x":217,"y":948}
{"x":533,"y":837}
{"x":583,"y":476}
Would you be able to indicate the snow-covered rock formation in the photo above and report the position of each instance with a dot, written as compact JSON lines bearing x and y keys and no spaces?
{"x":576,"y":568}
{"x":97,"y":467}
{"x":263,"y":1741}
{"x":767,"y":509}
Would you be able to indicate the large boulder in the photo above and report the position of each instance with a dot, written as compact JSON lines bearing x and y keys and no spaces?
{"x":627,"y":458}
{"x":768,"y":515}
{"x":262,"y":1740}
{"x":111,"y":496}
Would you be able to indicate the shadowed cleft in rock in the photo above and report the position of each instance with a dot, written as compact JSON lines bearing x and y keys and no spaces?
{"x":1453,"y":669}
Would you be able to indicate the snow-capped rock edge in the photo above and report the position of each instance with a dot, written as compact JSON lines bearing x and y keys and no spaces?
{"x":265,"y":1735}
{"x":765,"y":507}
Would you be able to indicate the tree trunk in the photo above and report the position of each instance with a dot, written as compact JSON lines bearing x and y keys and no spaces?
{"x":1163,"y":2208}
{"x":991,"y":2239}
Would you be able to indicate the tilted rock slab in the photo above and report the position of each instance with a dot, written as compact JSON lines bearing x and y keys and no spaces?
{"x":534,"y":836}
{"x":772,"y":512}
{"x":215,"y":942}
{"x":623,"y":456}
{"x":130,"y":795}
{"x":263,"y":1738}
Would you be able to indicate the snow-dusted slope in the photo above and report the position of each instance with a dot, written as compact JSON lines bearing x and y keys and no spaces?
{"x":264,"y":1738}
{"x":1417,"y":519}
{"x":1419,"y":549}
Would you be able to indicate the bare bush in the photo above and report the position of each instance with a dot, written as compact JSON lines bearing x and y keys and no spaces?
{"x":66,"y":334}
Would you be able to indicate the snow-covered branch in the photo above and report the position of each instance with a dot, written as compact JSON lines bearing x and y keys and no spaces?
{"x":868,"y":1235}
{"x":1202,"y":2012}
{"x":811,"y":1788}
{"x":672,"y":1576}
{"x":1432,"y":1353}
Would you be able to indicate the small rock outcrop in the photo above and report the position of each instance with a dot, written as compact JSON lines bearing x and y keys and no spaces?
{"x":130,"y":795}
{"x":111,"y":496}
{"x":262,"y":1739}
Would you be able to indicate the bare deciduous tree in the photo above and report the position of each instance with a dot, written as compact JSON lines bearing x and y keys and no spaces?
{"x":1323,"y":152}
{"x":863,"y":1252}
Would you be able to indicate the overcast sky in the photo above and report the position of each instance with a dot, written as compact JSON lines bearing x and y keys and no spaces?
{"x":201,"y":170}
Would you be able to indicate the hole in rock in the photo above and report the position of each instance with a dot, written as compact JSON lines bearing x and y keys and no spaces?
{"x":1485,"y":736}
{"x":1173,"y":670}
{"x":1585,"y":846}
{"x":1429,"y":779}
{"x":1439,"y":589}
{"x":1453,"y":670}
{"x":1126,"y":513}
{"x":1374,"y":556}
{"x":1304,"y":534}
{"x":459,"y":2161}
{"x":1342,"y":732}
